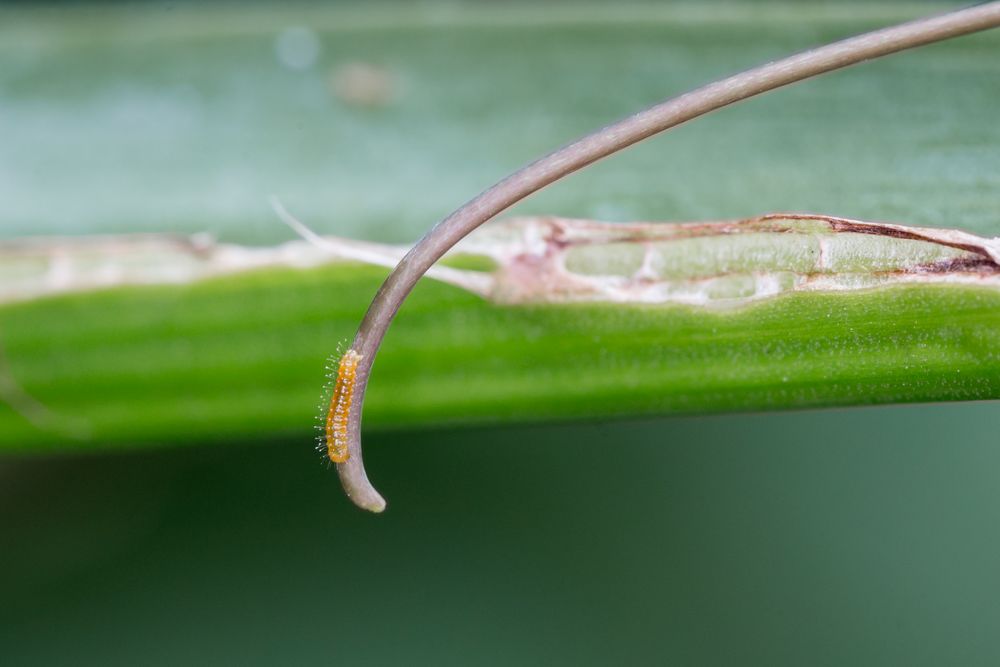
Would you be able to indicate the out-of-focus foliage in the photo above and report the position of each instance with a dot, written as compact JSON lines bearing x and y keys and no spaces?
{"x":184,"y":117}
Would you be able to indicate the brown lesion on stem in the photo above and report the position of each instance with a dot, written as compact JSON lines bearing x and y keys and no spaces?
{"x":974,"y":265}
{"x":951,"y":238}
{"x":555,"y":260}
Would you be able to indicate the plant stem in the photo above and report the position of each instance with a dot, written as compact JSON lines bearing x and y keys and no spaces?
{"x":603,"y":143}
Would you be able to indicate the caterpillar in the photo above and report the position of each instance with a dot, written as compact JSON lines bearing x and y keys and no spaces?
{"x":338,"y":413}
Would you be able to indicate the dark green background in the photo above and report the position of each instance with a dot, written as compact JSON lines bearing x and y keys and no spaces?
{"x":824,"y":538}
{"x":829,"y":538}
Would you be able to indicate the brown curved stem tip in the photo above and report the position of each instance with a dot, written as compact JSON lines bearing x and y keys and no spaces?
{"x":598,"y":145}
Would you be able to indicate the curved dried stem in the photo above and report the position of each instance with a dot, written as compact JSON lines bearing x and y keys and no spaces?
{"x":600,"y":144}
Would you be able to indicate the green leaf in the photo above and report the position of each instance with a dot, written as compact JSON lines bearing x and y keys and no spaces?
{"x":242,"y":357}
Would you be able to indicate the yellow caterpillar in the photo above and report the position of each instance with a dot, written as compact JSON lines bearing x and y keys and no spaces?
{"x":340,"y":407}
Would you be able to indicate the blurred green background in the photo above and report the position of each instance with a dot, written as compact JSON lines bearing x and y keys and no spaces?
{"x":840,"y":537}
